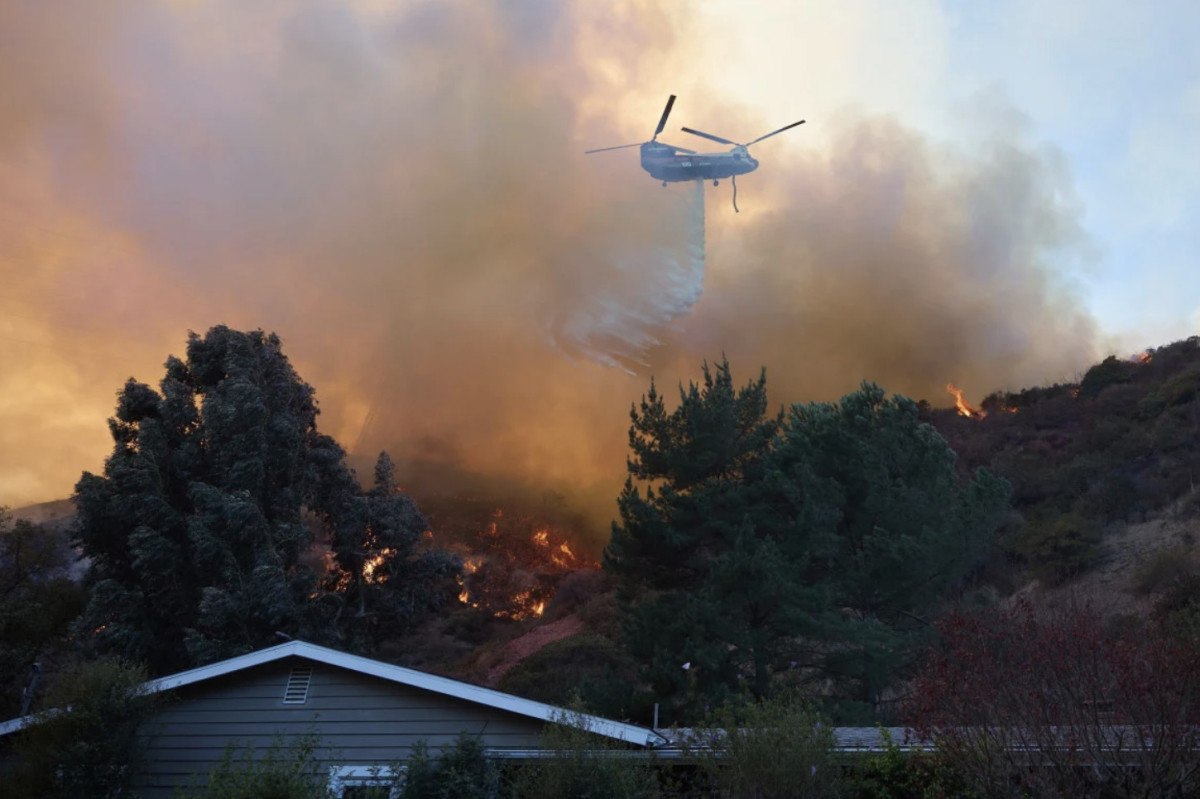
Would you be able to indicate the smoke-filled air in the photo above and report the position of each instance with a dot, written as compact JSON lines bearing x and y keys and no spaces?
{"x":399,"y":190}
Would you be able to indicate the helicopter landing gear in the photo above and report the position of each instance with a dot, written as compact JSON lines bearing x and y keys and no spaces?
{"x":664,"y":184}
{"x":716,"y":183}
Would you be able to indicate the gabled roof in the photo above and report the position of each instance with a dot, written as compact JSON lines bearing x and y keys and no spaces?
{"x":630,"y":733}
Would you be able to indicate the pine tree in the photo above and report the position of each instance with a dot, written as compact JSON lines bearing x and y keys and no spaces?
{"x":816,"y":539}
{"x":701,"y":586}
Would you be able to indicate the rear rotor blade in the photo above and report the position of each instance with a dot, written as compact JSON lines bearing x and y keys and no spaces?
{"x":662,"y":123}
{"x":704,"y":135}
{"x":618,"y":147}
{"x":772,"y":133}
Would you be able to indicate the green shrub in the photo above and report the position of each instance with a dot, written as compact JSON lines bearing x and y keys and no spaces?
{"x":284,"y":771}
{"x":1164,"y":569}
{"x":1110,"y":371}
{"x":892,"y":774}
{"x":87,"y":743}
{"x":1060,"y":548}
{"x":461,"y":772}
{"x":776,"y":749}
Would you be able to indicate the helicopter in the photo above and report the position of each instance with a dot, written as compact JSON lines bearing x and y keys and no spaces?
{"x":669,"y":163}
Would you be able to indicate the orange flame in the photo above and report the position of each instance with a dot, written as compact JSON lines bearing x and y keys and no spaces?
{"x":371,"y":564}
{"x":542,"y":538}
{"x":963,"y":408}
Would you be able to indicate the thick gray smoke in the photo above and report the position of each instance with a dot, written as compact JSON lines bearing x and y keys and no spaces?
{"x":400,"y":192}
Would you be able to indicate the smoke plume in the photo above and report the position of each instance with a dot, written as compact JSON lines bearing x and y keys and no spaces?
{"x":399,"y":191}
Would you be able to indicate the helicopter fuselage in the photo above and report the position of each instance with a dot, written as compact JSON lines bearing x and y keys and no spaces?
{"x":668,"y":164}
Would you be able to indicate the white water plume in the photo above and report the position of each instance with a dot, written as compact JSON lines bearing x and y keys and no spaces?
{"x":616,"y":329}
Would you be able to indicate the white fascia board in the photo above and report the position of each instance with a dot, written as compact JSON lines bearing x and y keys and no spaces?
{"x":12,"y":725}
{"x":629,"y":733}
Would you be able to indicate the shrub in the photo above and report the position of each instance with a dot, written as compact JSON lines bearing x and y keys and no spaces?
{"x":776,"y":749}
{"x":284,"y":771}
{"x":1058,"y":704}
{"x":582,"y":765}
{"x":1058,"y":549}
{"x":87,"y":744}
{"x":1163,"y":570}
{"x":461,"y":772}
{"x":892,"y":774}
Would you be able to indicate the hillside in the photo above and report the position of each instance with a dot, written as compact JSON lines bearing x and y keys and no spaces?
{"x":1105,"y":506}
{"x":1087,"y":459}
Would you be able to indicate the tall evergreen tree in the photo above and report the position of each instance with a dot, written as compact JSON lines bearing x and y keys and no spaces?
{"x":816,"y":539}
{"x":197,"y":530}
{"x":703,"y":588}
{"x":380,"y":571}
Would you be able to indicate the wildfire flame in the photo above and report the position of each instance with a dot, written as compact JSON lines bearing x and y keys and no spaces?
{"x":525,"y":606}
{"x":511,"y":562}
{"x":961,"y":404}
{"x":373,"y":563}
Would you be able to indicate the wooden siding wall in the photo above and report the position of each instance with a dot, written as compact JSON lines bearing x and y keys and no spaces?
{"x":357,"y":720}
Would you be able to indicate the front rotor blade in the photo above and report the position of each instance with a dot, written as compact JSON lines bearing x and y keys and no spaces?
{"x":618,"y":147}
{"x":772,"y":133}
{"x":662,"y":123}
{"x":702,"y":134}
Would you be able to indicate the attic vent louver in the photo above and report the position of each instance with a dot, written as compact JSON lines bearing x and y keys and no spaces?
{"x":296,"y":690}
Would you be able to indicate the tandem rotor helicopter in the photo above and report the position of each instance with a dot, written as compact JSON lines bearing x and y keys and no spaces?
{"x":671,"y":164}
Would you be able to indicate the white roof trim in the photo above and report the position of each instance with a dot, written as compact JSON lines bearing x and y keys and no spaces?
{"x":630,"y":733}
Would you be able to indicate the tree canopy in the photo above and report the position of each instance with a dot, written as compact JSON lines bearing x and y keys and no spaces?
{"x":200,"y":530}
{"x":808,"y":542}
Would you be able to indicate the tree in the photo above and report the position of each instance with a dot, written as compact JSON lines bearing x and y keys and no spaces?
{"x":379,"y":569}
{"x":700,"y":586}
{"x":1057,"y":704}
{"x":199,"y":528}
{"x":869,"y":506}
{"x":815,"y":540}
{"x":38,"y":602}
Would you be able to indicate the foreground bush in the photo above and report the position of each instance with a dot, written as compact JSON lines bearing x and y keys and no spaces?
{"x":86,"y":743}
{"x":1056,"y":704}
{"x":460,"y":772}
{"x":284,"y":771}
{"x":582,"y":765}
{"x":777,"y":749}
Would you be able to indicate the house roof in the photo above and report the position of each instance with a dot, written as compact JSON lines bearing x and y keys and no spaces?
{"x":630,"y":733}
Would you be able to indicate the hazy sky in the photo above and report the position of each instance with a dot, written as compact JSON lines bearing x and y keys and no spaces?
{"x":994,"y":194}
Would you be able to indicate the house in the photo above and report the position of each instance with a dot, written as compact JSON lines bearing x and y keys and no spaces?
{"x":367,"y":716}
